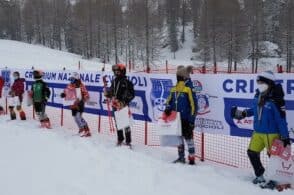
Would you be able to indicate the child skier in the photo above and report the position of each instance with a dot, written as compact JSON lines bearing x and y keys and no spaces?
{"x":16,"y":93}
{"x":40,"y":94}
{"x":269,"y":122}
{"x":181,"y":100}
{"x":122,"y":92}
{"x":78,"y":106}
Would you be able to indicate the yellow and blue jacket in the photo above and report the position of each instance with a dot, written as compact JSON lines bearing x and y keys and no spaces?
{"x":181,"y":100}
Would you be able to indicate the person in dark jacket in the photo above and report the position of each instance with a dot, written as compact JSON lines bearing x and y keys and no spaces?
{"x":40,"y":94}
{"x":78,"y":106}
{"x":181,"y":100}
{"x":17,"y":90}
{"x":122,"y":92}
{"x":269,"y":122}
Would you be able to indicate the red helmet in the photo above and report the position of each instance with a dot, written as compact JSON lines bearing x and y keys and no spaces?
{"x":119,"y":67}
{"x":37,"y":74}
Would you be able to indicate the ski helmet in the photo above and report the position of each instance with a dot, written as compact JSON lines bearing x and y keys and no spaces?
{"x":38,"y":74}
{"x":74,"y":77}
{"x":267,"y":77}
{"x":119,"y":69}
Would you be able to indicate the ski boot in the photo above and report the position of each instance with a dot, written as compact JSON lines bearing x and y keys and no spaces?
{"x":258,"y":180}
{"x":2,"y":112}
{"x":269,"y":185}
{"x":12,"y":113}
{"x":191,"y":159}
{"x":45,"y":123}
{"x":22,"y":115}
{"x":86,"y":132}
{"x":180,"y":160}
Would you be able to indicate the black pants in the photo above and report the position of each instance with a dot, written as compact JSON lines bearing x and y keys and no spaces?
{"x":187,"y":131}
{"x":40,"y":110}
{"x":120,"y":135}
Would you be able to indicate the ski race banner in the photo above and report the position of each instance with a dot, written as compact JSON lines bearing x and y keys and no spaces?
{"x":216,"y":94}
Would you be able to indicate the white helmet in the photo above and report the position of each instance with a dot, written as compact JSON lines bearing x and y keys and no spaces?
{"x":75,"y":75}
{"x":267,"y":77}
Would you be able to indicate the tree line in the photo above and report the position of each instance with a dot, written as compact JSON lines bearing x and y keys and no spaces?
{"x":135,"y":31}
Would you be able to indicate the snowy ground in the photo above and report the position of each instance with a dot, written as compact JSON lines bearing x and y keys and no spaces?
{"x":22,"y":55}
{"x":36,"y":161}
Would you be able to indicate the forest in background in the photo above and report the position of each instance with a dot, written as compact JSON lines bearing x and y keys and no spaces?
{"x":136,"y":31}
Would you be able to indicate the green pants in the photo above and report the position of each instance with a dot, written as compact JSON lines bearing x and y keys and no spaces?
{"x":259,"y":141}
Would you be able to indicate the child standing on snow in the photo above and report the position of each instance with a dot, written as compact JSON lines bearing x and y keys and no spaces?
{"x":77,"y":108}
{"x":181,"y":100}
{"x":16,"y":96}
{"x":269,"y":122}
{"x":40,"y":94}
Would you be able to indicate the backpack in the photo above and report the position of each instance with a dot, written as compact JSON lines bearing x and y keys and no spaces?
{"x":277,"y":96}
{"x":130,"y":91}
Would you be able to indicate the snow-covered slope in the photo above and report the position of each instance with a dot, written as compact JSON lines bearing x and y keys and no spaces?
{"x":22,"y":55}
{"x":35,"y":161}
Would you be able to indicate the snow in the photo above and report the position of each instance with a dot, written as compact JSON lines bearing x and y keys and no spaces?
{"x":22,"y":55}
{"x":38,"y":161}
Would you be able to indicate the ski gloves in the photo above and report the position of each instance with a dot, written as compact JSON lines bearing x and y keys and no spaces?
{"x":286,"y":141}
{"x":237,"y":114}
{"x":167,"y":111}
{"x":62,"y":95}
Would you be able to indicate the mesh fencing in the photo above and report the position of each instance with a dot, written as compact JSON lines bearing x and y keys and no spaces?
{"x":224,"y":149}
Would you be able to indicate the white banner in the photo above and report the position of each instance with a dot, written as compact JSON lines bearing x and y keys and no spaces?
{"x":216,"y":93}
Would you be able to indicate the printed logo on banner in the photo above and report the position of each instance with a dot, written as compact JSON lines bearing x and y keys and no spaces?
{"x":159,"y":93}
{"x":202,"y":98}
{"x":7,"y":81}
{"x":197,"y":86}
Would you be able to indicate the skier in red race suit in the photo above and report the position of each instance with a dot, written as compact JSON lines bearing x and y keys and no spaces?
{"x":17,"y":90}
{"x":77,"y":108}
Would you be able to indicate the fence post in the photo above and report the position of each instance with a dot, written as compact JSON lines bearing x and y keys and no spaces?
{"x":99,"y":123}
{"x":6,"y":106}
{"x":33,"y":111}
{"x":214,"y":69}
{"x":166,"y":67}
{"x":61,"y":118}
{"x":146,"y":133}
{"x":130,"y":66}
{"x":203,"y":69}
{"x":202,"y":147}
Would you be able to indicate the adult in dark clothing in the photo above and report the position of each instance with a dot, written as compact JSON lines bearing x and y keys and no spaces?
{"x":121,"y":92}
